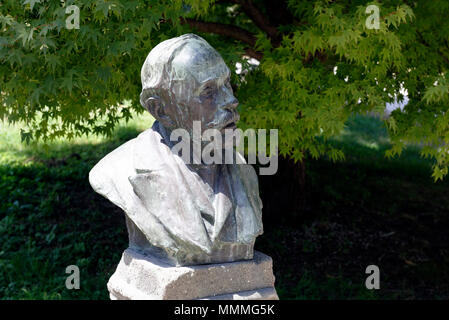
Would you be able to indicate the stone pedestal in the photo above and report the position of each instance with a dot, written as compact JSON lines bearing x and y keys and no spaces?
{"x":143,"y":277}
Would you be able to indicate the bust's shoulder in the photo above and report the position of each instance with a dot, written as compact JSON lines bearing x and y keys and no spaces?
{"x":117,"y":166}
{"x":110,"y":166}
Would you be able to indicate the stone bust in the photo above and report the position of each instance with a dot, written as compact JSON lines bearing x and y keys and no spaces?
{"x":182,"y":213}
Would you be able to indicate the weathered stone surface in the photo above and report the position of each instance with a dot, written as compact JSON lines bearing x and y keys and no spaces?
{"x":142,"y":277}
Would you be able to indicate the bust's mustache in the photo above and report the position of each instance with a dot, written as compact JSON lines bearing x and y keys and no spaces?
{"x":227,"y":120}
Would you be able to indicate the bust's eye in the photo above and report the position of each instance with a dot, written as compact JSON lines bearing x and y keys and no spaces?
{"x":207,"y":91}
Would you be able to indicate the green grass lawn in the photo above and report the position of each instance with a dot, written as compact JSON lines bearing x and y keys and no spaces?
{"x":51,"y":218}
{"x":366,"y":210}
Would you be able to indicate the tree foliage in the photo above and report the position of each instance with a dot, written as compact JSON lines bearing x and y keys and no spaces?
{"x":319,"y":63}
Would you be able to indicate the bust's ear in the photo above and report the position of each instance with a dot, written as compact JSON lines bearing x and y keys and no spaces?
{"x":154,"y":106}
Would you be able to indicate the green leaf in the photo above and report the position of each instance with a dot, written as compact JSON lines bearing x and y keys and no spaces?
{"x":31,"y":3}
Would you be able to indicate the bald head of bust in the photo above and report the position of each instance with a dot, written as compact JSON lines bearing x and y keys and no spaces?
{"x":184,"y":79}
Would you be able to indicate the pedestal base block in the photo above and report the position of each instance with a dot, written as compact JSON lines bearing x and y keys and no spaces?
{"x":143,"y":277}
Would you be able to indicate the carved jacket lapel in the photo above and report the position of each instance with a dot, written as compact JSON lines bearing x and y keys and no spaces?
{"x":165,"y":193}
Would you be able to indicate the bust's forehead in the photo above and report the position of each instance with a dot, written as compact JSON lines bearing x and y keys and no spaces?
{"x":199,"y":60}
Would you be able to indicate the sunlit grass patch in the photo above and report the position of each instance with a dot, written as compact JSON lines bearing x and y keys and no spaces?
{"x":13,"y":149}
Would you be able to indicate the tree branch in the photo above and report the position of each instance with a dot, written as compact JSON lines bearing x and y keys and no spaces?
{"x":258,"y":18}
{"x":222,"y":29}
{"x":228,"y":31}
{"x":254,"y":54}
{"x":239,"y":33}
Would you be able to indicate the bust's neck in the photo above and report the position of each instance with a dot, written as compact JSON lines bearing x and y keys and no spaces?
{"x":207,"y":172}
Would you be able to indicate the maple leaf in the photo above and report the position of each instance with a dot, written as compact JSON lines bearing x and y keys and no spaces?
{"x":31,"y":3}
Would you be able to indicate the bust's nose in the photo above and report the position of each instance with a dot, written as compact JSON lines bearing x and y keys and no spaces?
{"x":231,"y":107}
{"x":230,"y":102}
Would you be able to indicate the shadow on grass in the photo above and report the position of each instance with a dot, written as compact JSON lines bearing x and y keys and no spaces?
{"x":362,"y":211}
{"x":366,"y":210}
{"x":52,"y":219}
